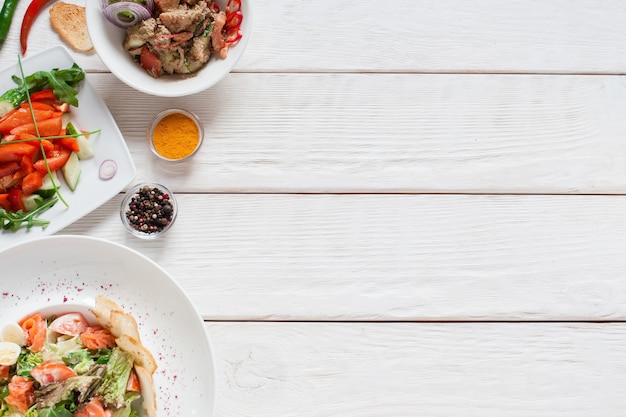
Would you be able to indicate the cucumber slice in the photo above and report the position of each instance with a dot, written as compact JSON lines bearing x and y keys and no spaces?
{"x":47,"y":187}
{"x":31,"y":202}
{"x":71,"y":171}
{"x":86,"y":150}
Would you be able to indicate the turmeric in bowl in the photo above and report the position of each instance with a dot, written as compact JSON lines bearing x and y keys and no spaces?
{"x":175,"y":134}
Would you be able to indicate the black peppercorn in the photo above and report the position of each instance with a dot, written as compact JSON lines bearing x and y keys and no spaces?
{"x":149,"y":210}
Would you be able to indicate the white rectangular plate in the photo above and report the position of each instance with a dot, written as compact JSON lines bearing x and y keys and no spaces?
{"x":91,"y":114}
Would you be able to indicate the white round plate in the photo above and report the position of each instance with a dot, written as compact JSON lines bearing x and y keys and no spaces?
{"x":107,"y":40}
{"x":64,"y":273}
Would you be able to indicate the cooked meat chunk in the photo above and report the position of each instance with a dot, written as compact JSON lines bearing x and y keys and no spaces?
{"x":139,"y":34}
{"x":167,"y":5}
{"x":182,"y":19}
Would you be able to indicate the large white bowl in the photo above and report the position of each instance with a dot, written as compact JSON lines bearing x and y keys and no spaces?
{"x":107,"y":40}
{"x":57,"y":274}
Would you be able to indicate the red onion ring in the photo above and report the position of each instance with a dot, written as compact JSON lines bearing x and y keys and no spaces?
{"x":127,"y":13}
{"x":108,"y":168}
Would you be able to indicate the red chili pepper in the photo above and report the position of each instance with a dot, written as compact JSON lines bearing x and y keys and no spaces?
{"x":233,"y":5}
{"x":29,"y":17}
{"x":233,"y":35}
{"x":233,"y":19}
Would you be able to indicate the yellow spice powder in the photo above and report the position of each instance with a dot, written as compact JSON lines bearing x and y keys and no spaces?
{"x":175,"y":136}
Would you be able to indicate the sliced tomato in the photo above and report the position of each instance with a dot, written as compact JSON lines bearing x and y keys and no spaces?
{"x":133,"y":382}
{"x":97,"y":338}
{"x":48,"y":127}
{"x":69,"y":143}
{"x":23,"y":116}
{"x":21,"y":393}
{"x":4,"y":201}
{"x":233,"y":19}
{"x":150,"y":62}
{"x":93,"y":408}
{"x":39,"y":105}
{"x":50,"y":372}
{"x":47,"y":94}
{"x":7,"y":168}
{"x":36,"y":330}
{"x":16,"y":198}
{"x":233,"y":5}
{"x":70,"y":324}
{"x":4,"y":372}
{"x":32,"y":182}
{"x":13,"y":152}
{"x":56,"y":159}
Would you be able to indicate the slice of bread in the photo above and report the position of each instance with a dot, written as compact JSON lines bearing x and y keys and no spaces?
{"x":69,"y":21}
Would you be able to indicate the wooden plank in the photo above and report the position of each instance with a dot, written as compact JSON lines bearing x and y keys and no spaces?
{"x":391,"y":257}
{"x":392,"y":133}
{"x":406,"y":370}
{"x":570,"y":36}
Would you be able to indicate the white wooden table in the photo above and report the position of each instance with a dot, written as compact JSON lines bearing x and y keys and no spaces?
{"x":414,"y":208}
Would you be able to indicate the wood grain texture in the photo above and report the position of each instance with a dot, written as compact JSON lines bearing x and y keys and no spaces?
{"x":567,"y":36}
{"x":391,"y":257}
{"x":407,"y":370}
{"x":391,"y":133}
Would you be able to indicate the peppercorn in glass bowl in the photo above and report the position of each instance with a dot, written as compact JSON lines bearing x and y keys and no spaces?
{"x":148,"y":210}
{"x":175,"y":135}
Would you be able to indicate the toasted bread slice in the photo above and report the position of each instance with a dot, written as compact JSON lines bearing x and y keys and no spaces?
{"x":141,"y":356}
{"x":148,"y":393}
{"x":69,"y":21}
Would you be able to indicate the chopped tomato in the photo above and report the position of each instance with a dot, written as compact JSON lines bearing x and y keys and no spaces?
{"x":43,"y":95}
{"x":16,"y":199}
{"x":93,"y":408}
{"x":150,"y":62}
{"x":13,"y":152}
{"x":8,"y":168}
{"x":69,"y":143}
{"x":4,"y":372}
{"x":4,"y":202}
{"x":21,"y":393}
{"x":48,"y":127}
{"x":23,"y":116}
{"x":39,"y":105}
{"x":70,"y":324}
{"x":56,"y":159}
{"x":133,"y":382}
{"x":97,"y":338}
{"x":32,"y":182}
{"x":50,"y":372}
{"x":35,"y":328}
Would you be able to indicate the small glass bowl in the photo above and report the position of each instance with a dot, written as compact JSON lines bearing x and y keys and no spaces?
{"x":132,"y":216}
{"x":153,"y":126}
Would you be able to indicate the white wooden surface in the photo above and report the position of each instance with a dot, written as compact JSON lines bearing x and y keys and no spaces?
{"x":403,"y":209}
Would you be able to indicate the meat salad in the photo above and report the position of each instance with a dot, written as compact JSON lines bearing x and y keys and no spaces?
{"x":181,"y":36}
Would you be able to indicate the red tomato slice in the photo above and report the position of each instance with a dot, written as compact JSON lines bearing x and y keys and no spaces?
{"x":233,"y":5}
{"x":21,"y":393}
{"x":93,"y":408}
{"x":50,"y":372}
{"x":17,"y":202}
{"x":69,"y":143}
{"x":43,"y":95}
{"x":70,"y":324}
{"x":150,"y":62}
{"x":4,"y":202}
{"x":32,"y":182}
{"x":13,"y":152}
{"x":23,"y":116}
{"x":56,"y":159}
{"x":48,"y":127}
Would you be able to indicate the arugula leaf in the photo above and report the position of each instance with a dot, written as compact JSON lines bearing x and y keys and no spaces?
{"x":13,"y":221}
{"x":60,"y":80}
